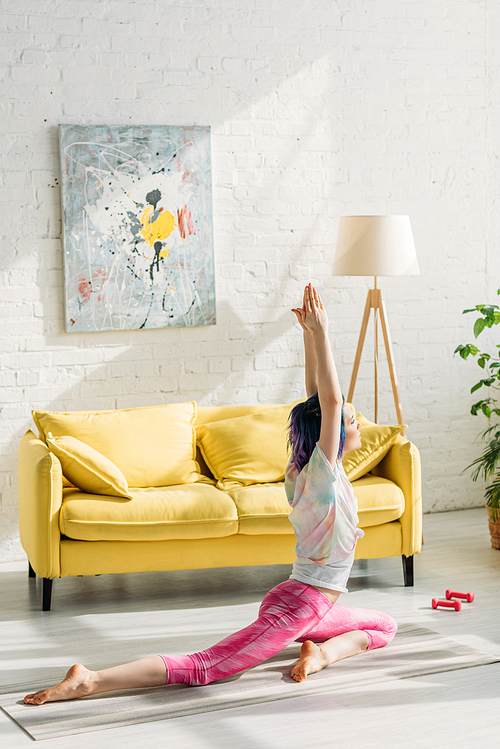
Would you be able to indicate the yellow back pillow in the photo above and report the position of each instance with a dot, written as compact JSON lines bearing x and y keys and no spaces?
{"x":376,"y":441}
{"x":153,"y":446}
{"x":248,"y":449}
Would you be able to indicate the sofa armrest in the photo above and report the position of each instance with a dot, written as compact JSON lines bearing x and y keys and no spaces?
{"x":402,"y":466}
{"x":40,"y":497}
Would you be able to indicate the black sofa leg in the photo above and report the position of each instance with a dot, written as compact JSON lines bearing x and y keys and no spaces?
{"x":408,"y":570}
{"x":46,"y":593}
{"x":31,"y":571}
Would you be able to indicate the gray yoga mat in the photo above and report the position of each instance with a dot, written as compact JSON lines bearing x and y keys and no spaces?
{"x":415,"y":651}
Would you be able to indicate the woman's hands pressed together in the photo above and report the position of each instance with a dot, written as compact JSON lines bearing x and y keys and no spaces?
{"x":312,"y":315}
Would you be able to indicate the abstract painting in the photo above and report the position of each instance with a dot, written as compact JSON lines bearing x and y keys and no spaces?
{"x":138,"y":230}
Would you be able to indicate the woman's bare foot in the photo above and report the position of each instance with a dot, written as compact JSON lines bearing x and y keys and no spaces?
{"x":312,"y":659}
{"x":78,"y":682}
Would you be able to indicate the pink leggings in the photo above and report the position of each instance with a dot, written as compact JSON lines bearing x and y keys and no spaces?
{"x":290,"y":612}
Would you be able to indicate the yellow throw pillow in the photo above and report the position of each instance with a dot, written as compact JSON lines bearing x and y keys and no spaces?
{"x":87,"y":469}
{"x":376,"y":441}
{"x":351,"y":407}
{"x":364,"y":421}
{"x":248,"y":449}
{"x":152,"y":446}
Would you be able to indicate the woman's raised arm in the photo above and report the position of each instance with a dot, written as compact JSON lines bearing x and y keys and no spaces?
{"x":311,"y":363}
{"x":314,"y":321}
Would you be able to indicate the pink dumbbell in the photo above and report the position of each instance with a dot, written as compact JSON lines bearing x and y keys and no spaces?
{"x":469,"y":597}
{"x":446,"y":604}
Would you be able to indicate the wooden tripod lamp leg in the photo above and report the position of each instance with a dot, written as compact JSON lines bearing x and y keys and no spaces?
{"x":390,"y":358}
{"x":375,"y":363}
{"x":374,"y":300}
{"x":359,"y":350}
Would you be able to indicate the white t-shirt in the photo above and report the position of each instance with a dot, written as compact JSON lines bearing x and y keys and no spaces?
{"x":324,"y":519}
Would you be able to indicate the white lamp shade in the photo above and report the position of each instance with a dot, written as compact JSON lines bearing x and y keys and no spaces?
{"x":375,"y":246}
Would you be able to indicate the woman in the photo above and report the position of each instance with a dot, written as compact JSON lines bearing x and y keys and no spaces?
{"x":324,"y":518}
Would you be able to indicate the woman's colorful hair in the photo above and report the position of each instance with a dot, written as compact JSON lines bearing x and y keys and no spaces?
{"x":304,"y":430}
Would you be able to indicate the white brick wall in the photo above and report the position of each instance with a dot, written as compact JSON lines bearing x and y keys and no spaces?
{"x":318,"y":109}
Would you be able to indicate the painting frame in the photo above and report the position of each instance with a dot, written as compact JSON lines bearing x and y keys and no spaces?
{"x":137,"y":213}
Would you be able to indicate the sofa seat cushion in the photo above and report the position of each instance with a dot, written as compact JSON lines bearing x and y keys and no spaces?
{"x":185,"y":511}
{"x":262,"y":508}
{"x":379,"y":500}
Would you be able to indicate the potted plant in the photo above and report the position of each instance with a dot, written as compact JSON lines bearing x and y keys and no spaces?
{"x":488,"y":464}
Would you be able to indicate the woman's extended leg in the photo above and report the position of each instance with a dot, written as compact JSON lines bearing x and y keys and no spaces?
{"x":287,"y":612}
{"x":79,"y":681}
{"x":343,"y":632}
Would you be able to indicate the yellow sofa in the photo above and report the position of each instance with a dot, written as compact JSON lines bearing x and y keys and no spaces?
{"x":175,"y":513}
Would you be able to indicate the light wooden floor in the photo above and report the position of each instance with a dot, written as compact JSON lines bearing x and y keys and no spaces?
{"x":101,"y":621}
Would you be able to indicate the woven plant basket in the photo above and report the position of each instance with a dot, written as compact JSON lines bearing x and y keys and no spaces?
{"x":494,"y":529}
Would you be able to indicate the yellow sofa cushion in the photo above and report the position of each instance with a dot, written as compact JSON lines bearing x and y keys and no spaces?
{"x":154,"y":446}
{"x":206,"y":414}
{"x":245,"y":450}
{"x":86,"y":468}
{"x":379,"y":500}
{"x":376,"y":441}
{"x":153,"y":514}
{"x":262,"y":508}
{"x":363,"y":420}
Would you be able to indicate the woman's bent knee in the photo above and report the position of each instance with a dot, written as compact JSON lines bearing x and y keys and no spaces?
{"x":384,"y":634}
{"x":392,"y":627}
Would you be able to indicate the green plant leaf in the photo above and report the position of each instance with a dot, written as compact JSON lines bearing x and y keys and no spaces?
{"x":479,"y":326}
{"x":487,"y":462}
{"x":492,"y":496}
{"x":487,"y":432}
{"x":479,"y":407}
{"x":486,"y":383}
{"x":464,"y":351}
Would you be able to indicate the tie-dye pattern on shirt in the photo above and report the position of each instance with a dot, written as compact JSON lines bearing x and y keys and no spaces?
{"x":325,"y":510}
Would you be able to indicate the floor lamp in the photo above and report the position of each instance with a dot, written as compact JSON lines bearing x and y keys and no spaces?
{"x":376,"y":246}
